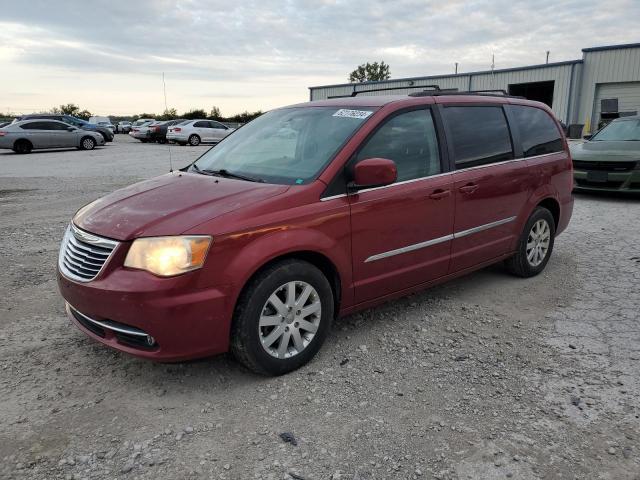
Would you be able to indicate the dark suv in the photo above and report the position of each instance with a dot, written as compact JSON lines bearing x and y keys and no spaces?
{"x":312,"y":211}
{"x":71,"y":120}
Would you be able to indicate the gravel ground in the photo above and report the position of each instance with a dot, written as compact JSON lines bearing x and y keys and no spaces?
{"x":486,"y":377}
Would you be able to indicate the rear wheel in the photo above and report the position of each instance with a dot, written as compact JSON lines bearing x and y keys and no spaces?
{"x":282,"y":318}
{"x":22,"y":146}
{"x":535,"y":245}
{"x":88,"y":143}
{"x":194,"y":140}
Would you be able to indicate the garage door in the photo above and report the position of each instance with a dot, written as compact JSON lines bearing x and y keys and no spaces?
{"x":626,"y":95}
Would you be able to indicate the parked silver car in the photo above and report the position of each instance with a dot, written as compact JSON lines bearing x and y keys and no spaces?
{"x":195,"y":132}
{"x":27,"y":135}
{"x":140,"y":130}
{"x":123,"y":127}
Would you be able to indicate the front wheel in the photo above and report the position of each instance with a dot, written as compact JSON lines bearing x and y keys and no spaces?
{"x":88,"y":143}
{"x":535,"y":245}
{"x":282,"y":318}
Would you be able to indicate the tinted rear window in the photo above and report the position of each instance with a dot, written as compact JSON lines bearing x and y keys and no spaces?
{"x":538,"y":132}
{"x":479,"y":134}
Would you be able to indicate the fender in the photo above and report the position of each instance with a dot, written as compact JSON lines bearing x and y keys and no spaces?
{"x":278,"y":243}
{"x":541,"y":193}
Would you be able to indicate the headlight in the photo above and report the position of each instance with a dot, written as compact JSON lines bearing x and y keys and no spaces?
{"x":168,"y":256}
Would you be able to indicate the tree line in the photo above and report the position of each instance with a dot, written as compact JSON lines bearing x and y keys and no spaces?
{"x":214,"y":114}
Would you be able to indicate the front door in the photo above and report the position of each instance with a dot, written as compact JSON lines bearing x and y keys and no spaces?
{"x":218,"y":131}
{"x":402,"y":233}
{"x":491,"y":186}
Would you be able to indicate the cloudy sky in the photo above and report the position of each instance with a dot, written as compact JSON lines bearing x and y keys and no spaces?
{"x":108,"y":57}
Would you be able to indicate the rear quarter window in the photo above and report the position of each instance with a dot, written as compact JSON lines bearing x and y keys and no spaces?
{"x":539,"y":133}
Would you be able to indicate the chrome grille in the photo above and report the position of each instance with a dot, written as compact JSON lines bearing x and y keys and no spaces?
{"x":82,"y":254}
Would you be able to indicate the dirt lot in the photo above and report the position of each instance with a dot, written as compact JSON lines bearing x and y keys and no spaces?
{"x":487,"y":377}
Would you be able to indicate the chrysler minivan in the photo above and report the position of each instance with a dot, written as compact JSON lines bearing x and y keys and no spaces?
{"x":314,"y":211}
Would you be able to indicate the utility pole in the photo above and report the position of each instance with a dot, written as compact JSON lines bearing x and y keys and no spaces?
{"x":456,"y":68}
{"x":548,"y":56}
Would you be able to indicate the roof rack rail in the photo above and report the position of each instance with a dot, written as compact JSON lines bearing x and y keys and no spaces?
{"x":355,"y":92}
{"x":486,"y":93}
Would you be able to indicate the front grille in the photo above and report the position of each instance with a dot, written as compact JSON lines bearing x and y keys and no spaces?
{"x":604,"y":166}
{"x":82,"y":254}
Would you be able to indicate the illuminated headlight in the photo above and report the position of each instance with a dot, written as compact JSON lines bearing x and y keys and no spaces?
{"x":168,"y":256}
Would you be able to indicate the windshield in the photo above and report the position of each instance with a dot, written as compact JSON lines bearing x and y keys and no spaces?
{"x":290,"y":146}
{"x":621,"y":130}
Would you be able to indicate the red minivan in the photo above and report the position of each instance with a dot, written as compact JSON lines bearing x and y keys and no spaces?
{"x":314,"y":211}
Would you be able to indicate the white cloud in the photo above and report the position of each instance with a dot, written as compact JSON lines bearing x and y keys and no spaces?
{"x":109,"y":57}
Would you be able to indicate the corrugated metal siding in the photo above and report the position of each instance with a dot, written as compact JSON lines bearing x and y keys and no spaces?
{"x":459,"y":82}
{"x":605,"y":66}
{"x":561,"y":75}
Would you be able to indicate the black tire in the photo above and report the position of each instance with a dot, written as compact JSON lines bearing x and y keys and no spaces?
{"x":22,"y":147}
{"x":194,"y":140}
{"x":519,"y":264}
{"x":246,"y":344}
{"x":87,"y":143}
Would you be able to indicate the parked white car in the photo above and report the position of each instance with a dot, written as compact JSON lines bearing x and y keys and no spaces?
{"x":139,"y":130}
{"x":195,"y":132}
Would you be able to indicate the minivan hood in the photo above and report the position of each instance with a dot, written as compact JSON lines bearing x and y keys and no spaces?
{"x":605,"y":150}
{"x":169,"y":205}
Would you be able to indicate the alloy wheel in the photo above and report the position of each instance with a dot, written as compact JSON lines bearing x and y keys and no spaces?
{"x":538,"y":242}
{"x":88,"y":144}
{"x":289,"y":319}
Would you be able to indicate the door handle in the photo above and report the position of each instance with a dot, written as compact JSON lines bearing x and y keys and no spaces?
{"x":438,"y":194}
{"x":468,"y":188}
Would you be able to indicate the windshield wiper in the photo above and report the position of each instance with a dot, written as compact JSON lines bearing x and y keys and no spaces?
{"x":223,"y":172}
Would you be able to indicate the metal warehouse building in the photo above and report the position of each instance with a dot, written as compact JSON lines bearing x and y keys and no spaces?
{"x":603,"y":85}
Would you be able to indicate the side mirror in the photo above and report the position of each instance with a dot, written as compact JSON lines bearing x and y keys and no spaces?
{"x":373,"y":172}
{"x":587,"y":137}
{"x":71,"y":129}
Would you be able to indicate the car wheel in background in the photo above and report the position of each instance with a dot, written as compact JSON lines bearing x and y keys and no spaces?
{"x":282,"y":318}
{"x":194,"y":140}
{"x":87,"y":143}
{"x":535,"y":245}
{"x":22,"y":146}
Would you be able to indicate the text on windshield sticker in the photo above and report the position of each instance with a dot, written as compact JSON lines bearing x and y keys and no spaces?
{"x":343,"y":112}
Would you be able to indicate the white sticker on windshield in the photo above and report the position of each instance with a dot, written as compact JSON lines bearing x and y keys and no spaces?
{"x":343,"y":112}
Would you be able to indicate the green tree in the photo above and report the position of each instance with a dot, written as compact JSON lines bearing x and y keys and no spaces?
{"x":370,"y":72}
{"x":215,"y":114}
{"x":169,"y":114}
{"x":73,"y":110}
{"x":194,"y":113}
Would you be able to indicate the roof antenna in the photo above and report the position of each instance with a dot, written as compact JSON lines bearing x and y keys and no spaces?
{"x":166,"y":110}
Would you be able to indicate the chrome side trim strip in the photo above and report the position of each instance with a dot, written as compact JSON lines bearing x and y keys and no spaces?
{"x":409,"y":248}
{"x":435,"y":241}
{"x":107,"y":325}
{"x":333,"y":197}
{"x":405,"y":182}
{"x":480,"y":228}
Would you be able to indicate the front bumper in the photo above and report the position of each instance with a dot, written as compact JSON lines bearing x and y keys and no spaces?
{"x":586,"y":180}
{"x":163,"y":319}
